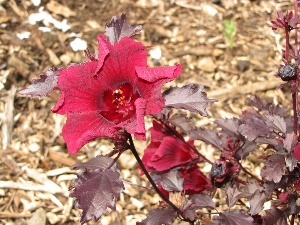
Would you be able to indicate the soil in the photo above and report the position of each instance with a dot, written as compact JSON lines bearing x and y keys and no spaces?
{"x":34,"y":170}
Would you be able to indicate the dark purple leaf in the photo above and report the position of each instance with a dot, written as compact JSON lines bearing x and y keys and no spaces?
{"x":180,"y":120}
{"x":229,"y":126}
{"x":257,"y":202}
{"x":281,"y":221}
{"x":164,"y":115}
{"x":234,"y":218}
{"x":96,"y":191}
{"x":233,"y":195}
{"x":119,"y":28}
{"x":160,"y":216}
{"x":210,"y":137}
{"x":197,"y":201}
{"x":290,"y":142}
{"x":202,"y":201}
{"x":259,"y":103}
{"x":270,"y":141}
{"x":263,"y":105}
{"x":253,"y":126}
{"x":252,"y":187}
{"x":291,"y":162}
{"x":244,"y":151}
{"x":276,"y":122}
{"x":274,"y":216}
{"x":172,"y":181}
{"x":42,"y":86}
{"x":270,"y":186}
{"x":99,"y":162}
{"x":189,"y":97}
{"x":274,"y":168}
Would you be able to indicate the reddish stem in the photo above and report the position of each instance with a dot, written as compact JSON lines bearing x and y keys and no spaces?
{"x":287,"y":41}
{"x":250,"y":174}
{"x":295,"y":108}
{"x":138,"y":159}
{"x":296,"y":33}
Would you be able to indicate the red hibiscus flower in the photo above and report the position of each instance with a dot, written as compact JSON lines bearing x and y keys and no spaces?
{"x":165,"y":152}
{"x":194,"y":180}
{"x":113,"y":92}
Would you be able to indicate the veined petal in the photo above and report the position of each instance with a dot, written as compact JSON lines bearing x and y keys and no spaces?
{"x":157,"y":73}
{"x":194,"y":180}
{"x":79,"y":90}
{"x":82,"y":128}
{"x":140,"y":105}
{"x":170,"y":153}
{"x":103,"y":51}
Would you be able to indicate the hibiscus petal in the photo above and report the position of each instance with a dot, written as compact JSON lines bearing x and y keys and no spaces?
{"x":59,"y":104}
{"x":79,"y":90}
{"x":157,"y":73}
{"x":171,"y":153}
{"x":156,"y":132}
{"x":140,"y":105}
{"x":82,"y":128}
{"x":194,"y":180}
{"x":103,"y":51}
{"x":119,"y":65}
{"x":148,"y":153}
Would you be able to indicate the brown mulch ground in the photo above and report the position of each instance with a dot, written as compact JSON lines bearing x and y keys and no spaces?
{"x":34,"y":170}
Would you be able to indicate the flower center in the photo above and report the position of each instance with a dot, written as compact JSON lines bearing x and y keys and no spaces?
{"x":120,"y":103}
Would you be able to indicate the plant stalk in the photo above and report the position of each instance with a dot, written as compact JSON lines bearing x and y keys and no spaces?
{"x":138,"y":159}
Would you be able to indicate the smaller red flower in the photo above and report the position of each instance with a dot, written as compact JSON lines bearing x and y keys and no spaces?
{"x":194,"y":180}
{"x":297,"y":152}
{"x":283,"y":197}
{"x":165,"y":152}
{"x":297,"y":185}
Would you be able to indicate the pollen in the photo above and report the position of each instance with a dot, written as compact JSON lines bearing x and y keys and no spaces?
{"x":120,"y":103}
{"x":118,"y":98}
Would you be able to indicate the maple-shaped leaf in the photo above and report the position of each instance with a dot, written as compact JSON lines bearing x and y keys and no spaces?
{"x":274,"y":168}
{"x":197,"y":201}
{"x":229,"y":126}
{"x":119,"y":28}
{"x":160,"y":216}
{"x":44,"y":85}
{"x":99,"y":162}
{"x":96,"y":191}
{"x":189,"y":97}
{"x":246,"y":148}
{"x":233,"y":195}
{"x":202,"y":201}
{"x":237,"y":217}
{"x":180,"y":120}
{"x":252,"y":187}
{"x":257,"y":202}
{"x":257,"y":102}
{"x":291,"y":162}
{"x":263,"y":105}
{"x":276,"y":122}
{"x":253,"y":125}
{"x":274,"y":216}
{"x":290,"y":141}
{"x":210,"y":137}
